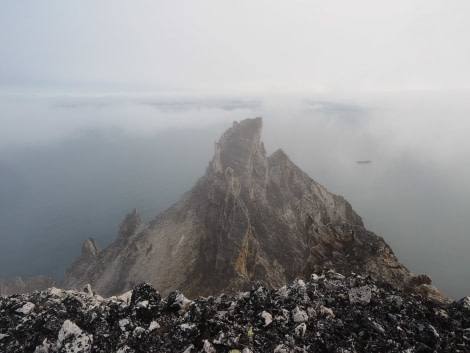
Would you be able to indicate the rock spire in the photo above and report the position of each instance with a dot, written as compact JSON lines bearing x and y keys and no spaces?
{"x":250,"y":218}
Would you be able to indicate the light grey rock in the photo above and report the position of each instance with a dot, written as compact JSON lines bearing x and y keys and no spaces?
{"x":360,"y":295}
{"x":189,"y":349}
{"x":466,"y":334}
{"x":182,"y":302}
{"x":208,"y":347}
{"x":300,"y":329}
{"x":153,"y":326}
{"x":268,"y":318}
{"x":123,"y":324}
{"x":298,"y":315}
{"x":87,"y":289}
{"x":72,"y":339}
{"x":44,"y":347}
{"x":26,"y":308}
{"x":282,"y":348}
{"x":326,"y":312}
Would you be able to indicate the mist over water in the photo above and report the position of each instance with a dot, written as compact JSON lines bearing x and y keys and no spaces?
{"x":58,"y":195}
{"x":78,"y":164}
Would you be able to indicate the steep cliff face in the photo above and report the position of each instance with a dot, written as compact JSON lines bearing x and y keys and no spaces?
{"x":249,"y":218}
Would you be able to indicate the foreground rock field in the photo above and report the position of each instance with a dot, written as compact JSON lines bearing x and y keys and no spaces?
{"x":329,"y":313}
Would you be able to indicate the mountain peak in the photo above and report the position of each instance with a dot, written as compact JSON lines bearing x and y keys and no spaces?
{"x":238,"y":147}
{"x":249,"y":218}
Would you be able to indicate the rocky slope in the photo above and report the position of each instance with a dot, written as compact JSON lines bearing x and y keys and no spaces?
{"x":328,"y":313}
{"x":249,"y":218}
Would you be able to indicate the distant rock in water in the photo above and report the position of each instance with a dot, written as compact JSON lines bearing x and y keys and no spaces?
{"x":329,"y":312}
{"x":249,"y":218}
{"x":18,"y":285}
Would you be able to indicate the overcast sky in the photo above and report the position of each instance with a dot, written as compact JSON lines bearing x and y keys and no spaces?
{"x":235,"y":45}
{"x":111,"y":49}
{"x":367,"y":79}
{"x":96,"y":54}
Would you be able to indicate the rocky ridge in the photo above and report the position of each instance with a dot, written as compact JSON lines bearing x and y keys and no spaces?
{"x":251,"y":217}
{"x":330,"y":312}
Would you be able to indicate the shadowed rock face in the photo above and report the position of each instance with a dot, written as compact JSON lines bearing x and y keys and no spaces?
{"x":249,"y":218}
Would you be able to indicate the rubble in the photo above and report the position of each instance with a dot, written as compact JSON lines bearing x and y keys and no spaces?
{"x":329,"y":313}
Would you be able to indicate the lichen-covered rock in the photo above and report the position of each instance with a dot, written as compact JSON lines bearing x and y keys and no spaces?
{"x":313,"y":316}
{"x":251,"y":217}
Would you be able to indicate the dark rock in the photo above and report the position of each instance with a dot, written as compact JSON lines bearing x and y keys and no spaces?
{"x":145,"y":292}
{"x":464,"y":305}
{"x":316,"y":316}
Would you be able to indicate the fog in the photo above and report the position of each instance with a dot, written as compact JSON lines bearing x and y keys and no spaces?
{"x":110,"y":105}
{"x":69,"y":179}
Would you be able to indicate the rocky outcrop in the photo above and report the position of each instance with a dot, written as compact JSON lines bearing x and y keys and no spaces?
{"x":18,"y":285}
{"x":112,"y":266}
{"x":251,"y":217}
{"x":330,"y":312}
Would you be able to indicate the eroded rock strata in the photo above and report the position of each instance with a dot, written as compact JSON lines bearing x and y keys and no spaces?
{"x":328,"y":313}
{"x":249,"y":218}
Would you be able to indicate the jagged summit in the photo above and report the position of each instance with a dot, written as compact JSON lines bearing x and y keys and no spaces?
{"x":249,"y":218}
{"x":239,"y":147}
